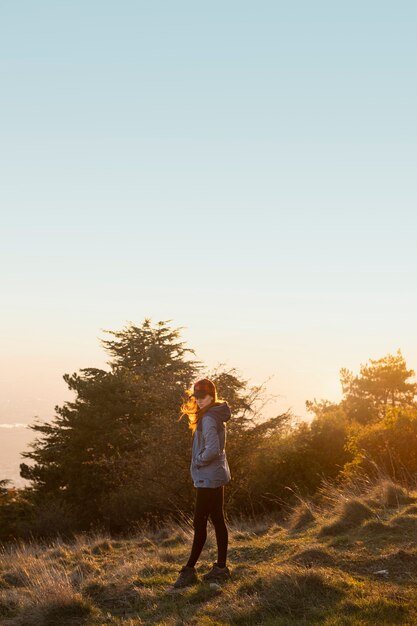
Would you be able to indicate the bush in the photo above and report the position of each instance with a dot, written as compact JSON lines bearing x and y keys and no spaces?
{"x":387,"y":447}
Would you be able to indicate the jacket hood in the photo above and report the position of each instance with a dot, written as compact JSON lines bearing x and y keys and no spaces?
{"x":220,"y":411}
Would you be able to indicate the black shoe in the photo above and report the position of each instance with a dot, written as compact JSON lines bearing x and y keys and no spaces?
{"x":217,"y":574}
{"x":188,"y":576}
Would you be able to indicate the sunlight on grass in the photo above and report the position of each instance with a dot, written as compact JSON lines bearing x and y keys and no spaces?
{"x":282,"y":573}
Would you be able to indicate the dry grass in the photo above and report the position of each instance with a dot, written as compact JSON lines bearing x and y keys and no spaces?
{"x":352,"y":513}
{"x":41,"y":590}
{"x":390,"y":494}
{"x":282,"y":574}
{"x":301,"y":517}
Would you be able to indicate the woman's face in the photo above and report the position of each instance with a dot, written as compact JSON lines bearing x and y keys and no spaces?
{"x":203,"y":402}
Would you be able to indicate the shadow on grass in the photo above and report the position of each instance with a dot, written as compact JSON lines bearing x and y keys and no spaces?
{"x":256,"y":554}
{"x":401,"y":565}
{"x":293,"y":593}
{"x":74,"y":611}
{"x":312,"y":557}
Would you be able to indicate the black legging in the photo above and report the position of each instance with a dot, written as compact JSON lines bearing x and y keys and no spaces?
{"x":209,"y":502}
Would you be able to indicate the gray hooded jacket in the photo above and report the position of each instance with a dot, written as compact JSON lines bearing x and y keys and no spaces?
{"x":209,"y":466}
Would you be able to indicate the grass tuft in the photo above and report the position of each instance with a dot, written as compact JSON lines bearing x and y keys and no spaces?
{"x":353,"y":513}
{"x":66,"y":611}
{"x":301,"y":517}
{"x":390,"y":494}
{"x":117,"y":595}
{"x":404,"y":522}
{"x":313,"y":556}
{"x":374,"y":527}
{"x":102,"y":547}
{"x":14,"y":578}
{"x":292,"y":592}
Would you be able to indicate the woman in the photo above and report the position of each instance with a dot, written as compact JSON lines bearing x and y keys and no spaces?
{"x":207,"y":417}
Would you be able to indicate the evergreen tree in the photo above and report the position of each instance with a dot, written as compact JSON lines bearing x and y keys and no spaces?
{"x":118,"y":452}
{"x":80,"y":454}
{"x":381,"y":384}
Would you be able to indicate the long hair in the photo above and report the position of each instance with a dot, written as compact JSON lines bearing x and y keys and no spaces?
{"x":190,"y":408}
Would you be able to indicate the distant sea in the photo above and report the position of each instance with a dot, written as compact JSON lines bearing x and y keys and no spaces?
{"x":14,"y":439}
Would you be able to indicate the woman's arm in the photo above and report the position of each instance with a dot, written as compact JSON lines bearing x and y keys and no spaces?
{"x":211,"y":448}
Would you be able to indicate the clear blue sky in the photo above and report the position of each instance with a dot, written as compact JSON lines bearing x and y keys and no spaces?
{"x":246,"y":169}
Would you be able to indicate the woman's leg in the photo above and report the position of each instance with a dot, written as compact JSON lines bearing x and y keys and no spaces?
{"x":217,"y":517}
{"x":201,"y":513}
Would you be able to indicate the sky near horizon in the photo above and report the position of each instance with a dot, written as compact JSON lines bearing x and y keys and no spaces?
{"x":244,"y":169}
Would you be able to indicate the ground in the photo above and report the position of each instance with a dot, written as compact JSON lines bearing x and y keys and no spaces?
{"x":350,"y":560}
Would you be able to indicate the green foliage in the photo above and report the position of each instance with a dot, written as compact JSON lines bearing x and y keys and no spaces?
{"x":117,"y":453}
{"x":248,"y":435}
{"x":388,"y":446}
{"x":380,"y":385}
{"x":120,"y":429}
{"x":298,"y":459}
{"x":379,"y":412}
{"x":14,"y":509}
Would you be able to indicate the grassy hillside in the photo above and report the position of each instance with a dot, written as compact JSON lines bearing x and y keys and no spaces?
{"x":350,"y":560}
